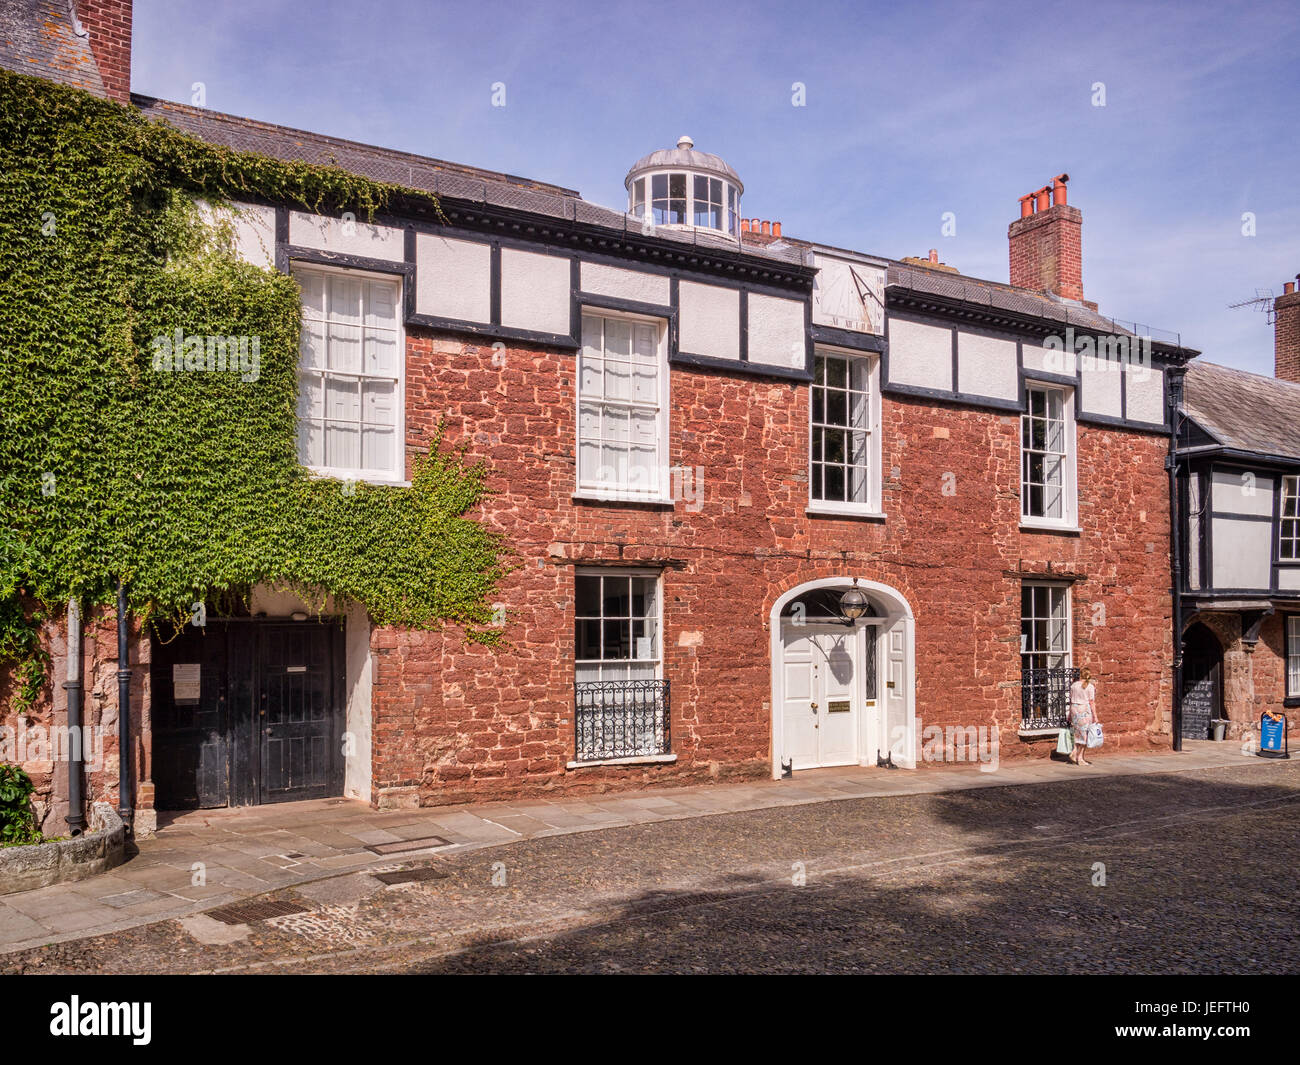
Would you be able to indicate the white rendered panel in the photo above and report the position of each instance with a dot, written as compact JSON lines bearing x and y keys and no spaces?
{"x":1242,"y":492}
{"x":776,"y":332}
{"x":1242,"y":553}
{"x":346,"y":236}
{"x":986,"y":366}
{"x":920,"y":355}
{"x":535,"y":291}
{"x":453,"y":278}
{"x":625,"y":284}
{"x":708,"y":320}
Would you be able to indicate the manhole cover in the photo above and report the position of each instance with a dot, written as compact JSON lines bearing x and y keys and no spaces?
{"x":247,"y":912}
{"x":409,"y":876}
{"x":402,"y":845}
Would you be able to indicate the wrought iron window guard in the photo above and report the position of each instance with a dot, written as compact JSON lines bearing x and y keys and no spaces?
{"x":621,"y":719}
{"x":1045,"y":697}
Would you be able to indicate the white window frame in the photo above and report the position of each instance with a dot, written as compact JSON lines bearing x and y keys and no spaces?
{"x":1292,"y":635}
{"x":1291,"y":489}
{"x":1067,"y":606}
{"x":871,"y":507}
{"x":660,"y":491}
{"x":623,"y":572}
{"x":1069,"y":487}
{"x":396,"y":475}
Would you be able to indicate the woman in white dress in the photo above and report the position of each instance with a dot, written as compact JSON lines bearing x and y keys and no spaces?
{"x":1083,"y":712}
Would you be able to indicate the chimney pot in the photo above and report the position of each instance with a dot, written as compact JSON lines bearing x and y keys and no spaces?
{"x":934,"y":255}
{"x":1058,"y":189}
{"x":1288,"y":287}
{"x":744,"y":225}
{"x":1026,"y":205}
{"x":767,"y":228}
{"x":1042,"y":197}
{"x":776,"y":229}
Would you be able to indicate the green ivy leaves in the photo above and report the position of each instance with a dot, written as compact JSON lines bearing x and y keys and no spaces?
{"x":184,"y":484}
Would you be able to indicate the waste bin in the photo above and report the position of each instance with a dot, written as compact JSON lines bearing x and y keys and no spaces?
{"x":1220,"y":726}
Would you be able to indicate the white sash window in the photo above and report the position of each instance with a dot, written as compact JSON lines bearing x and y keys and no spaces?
{"x":622,"y":407}
{"x":1047,"y":457}
{"x":350,"y":375}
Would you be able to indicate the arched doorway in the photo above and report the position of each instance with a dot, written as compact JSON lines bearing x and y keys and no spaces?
{"x":1202,"y":682}
{"x":842,"y":694}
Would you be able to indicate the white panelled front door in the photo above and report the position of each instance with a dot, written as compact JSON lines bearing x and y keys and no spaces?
{"x":822,"y":694}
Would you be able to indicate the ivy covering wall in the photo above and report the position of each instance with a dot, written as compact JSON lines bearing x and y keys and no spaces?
{"x":184,"y":484}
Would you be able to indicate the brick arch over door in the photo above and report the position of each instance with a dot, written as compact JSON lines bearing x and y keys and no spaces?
{"x":898,"y":632}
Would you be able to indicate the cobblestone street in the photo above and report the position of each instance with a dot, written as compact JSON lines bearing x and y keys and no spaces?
{"x":1187,"y":872}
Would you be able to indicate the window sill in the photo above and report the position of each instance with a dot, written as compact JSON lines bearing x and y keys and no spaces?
{"x":1291,"y":702}
{"x":590,"y":496}
{"x":638,"y":759}
{"x":343,"y":476}
{"x":1039,"y":733}
{"x":1028,"y":525}
{"x":816,"y":511}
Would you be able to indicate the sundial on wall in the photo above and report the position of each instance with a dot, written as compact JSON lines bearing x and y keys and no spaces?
{"x":847,"y":295}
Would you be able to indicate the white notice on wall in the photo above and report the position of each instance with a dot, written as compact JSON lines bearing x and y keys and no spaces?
{"x":185,"y":682}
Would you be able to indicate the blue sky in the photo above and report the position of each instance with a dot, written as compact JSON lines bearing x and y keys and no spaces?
{"x":912,"y":110}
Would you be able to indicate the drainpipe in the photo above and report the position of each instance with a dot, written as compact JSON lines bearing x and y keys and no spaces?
{"x":1175,"y":548}
{"x":76,"y":801}
{"x":123,"y":711}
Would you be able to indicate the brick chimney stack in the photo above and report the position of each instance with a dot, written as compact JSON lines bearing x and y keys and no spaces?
{"x":1046,"y":242}
{"x":108,"y":25}
{"x":1286,"y":333}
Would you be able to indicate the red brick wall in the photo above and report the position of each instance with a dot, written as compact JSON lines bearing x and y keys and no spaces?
{"x":1046,"y":251}
{"x":109,"y":25}
{"x":459,"y":721}
{"x":1286,"y":337}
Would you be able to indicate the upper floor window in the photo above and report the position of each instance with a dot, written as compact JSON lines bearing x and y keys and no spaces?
{"x":844,"y":460}
{"x":1289,"y":535}
{"x":350,"y":375}
{"x":1293,"y":656}
{"x":622,"y":407}
{"x":1047,"y":456}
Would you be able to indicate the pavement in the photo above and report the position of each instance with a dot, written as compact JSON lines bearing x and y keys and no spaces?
{"x":204,"y":859}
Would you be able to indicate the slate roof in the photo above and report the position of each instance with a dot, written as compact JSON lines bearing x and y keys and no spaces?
{"x":36,"y":37}
{"x":380,"y":164}
{"x":1244,"y":410}
{"x":450,"y":180}
{"x":999,"y":296}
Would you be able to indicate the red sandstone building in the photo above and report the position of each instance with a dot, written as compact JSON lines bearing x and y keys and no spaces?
{"x":701,"y":433}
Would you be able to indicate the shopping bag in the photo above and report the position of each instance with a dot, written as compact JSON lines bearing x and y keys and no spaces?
{"x":1064,"y":741}
{"x":1095,"y":734}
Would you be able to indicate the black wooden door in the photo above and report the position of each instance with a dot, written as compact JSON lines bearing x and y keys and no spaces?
{"x":190,"y":719}
{"x":1202,"y":682}
{"x":301,"y":727}
{"x":259,"y":717}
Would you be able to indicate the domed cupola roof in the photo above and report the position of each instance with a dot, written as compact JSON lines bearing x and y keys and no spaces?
{"x":684,"y":156}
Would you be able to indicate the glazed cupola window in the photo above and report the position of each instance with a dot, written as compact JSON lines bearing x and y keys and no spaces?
{"x":682,"y":187}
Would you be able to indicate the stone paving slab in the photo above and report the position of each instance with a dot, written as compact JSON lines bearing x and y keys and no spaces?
{"x":242,"y":850}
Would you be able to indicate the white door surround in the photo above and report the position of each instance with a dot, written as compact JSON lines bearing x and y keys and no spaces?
{"x":882,"y":721}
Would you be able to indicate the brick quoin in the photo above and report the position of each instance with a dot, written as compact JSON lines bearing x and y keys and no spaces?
{"x":460,"y":722}
{"x":108,"y":23}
